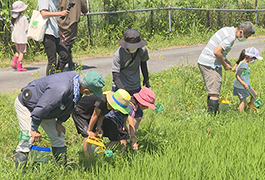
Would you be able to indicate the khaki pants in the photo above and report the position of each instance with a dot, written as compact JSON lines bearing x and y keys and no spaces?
{"x":49,"y":126}
{"x":212,"y":79}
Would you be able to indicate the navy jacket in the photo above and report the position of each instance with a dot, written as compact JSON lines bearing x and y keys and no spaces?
{"x":51,"y":97}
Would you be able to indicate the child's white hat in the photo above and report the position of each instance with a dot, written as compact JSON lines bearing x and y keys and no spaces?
{"x":253,"y":52}
{"x":18,"y":6}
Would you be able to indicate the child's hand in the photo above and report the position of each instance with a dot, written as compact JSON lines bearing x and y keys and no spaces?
{"x":245,"y":86}
{"x":134,"y":144}
{"x":100,"y":131}
{"x":91,"y":134}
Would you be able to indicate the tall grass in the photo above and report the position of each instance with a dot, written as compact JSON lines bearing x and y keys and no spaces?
{"x":181,"y":142}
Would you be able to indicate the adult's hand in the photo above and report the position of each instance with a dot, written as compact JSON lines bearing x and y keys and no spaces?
{"x":36,"y":136}
{"x":228,"y":64}
{"x":227,"y":67}
{"x":64,"y":13}
{"x":62,"y":36}
{"x":60,"y":129}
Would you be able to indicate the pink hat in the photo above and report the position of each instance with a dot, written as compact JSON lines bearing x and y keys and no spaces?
{"x":18,"y":6}
{"x":146,"y":97}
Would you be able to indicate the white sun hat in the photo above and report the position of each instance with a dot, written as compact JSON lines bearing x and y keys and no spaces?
{"x":253,"y":52}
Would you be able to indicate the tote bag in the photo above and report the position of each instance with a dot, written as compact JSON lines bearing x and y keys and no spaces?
{"x":37,"y":26}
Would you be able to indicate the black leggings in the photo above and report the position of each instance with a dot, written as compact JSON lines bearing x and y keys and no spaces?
{"x":52,"y":46}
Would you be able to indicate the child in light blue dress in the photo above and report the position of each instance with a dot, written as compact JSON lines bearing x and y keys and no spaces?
{"x":241,"y":85}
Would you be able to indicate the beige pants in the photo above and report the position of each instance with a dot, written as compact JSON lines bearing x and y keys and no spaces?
{"x":49,"y":126}
{"x":212,"y":79}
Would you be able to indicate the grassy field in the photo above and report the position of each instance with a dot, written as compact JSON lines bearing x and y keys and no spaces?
{"x":182,"y":142}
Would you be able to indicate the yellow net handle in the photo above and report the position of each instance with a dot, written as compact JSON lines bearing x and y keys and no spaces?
{"x":97,"y":142}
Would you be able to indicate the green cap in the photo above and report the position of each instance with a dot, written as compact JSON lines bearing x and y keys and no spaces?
{"x":94,"y":81}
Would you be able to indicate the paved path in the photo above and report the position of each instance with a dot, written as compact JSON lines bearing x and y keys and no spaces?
{"x":11,"y":80}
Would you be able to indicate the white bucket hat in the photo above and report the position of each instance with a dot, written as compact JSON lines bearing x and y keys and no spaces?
{"x":18,"y":6}
{"x":253,"y":52}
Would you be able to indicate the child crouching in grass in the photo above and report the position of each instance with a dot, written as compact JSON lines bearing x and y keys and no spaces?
{"x":143,"y":99}
{"x":241,"y":85}
{"x":113,"y":125}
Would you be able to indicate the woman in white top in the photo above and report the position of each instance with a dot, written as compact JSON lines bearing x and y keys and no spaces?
{"x":19,"y":26}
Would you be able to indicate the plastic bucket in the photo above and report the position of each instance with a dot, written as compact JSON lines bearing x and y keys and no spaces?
{"x":224,"y":105}
{"x":40,"y":154}
{"x":258,"y":103}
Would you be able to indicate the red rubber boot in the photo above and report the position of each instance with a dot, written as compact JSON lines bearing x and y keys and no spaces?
{"x":19,"y":66}
{"x":14,"y":62}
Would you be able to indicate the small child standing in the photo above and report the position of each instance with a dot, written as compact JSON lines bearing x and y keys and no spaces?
{"x":242,"y":82}
{"x":19,"y":26}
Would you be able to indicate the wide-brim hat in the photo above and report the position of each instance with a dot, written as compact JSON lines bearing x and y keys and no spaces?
{"x":18,"y":6}
{"x":94,"y":81}
{"x":253,"y":52}
{"x":132,"y":40}
{"x":146,"y":97}
{"x":119,"y":100}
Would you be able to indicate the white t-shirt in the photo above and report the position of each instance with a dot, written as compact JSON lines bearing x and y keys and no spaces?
{"x":225,"y":37}
{"x":244,"y":76}
{"x":19,"y":30}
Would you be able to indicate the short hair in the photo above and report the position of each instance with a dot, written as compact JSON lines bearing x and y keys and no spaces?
{"x":247,"y":27}
{"x":82,"y":82}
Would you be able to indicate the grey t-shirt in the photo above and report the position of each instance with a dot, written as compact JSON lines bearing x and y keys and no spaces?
{"x":52,"y":25}
{"x":127,"y":65}
{"x":244,"y":76}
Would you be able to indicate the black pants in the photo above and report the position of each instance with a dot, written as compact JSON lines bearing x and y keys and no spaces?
{"x":52,"y":46}
{"x":69,"y":44}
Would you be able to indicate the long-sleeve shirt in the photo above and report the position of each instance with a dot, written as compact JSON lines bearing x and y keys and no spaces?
{"x":50,"y":97}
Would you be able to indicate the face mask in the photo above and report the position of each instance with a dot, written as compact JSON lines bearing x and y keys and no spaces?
{"x":251,"y":62}
{"x":242,"y":38}
{"x":132,"y":50}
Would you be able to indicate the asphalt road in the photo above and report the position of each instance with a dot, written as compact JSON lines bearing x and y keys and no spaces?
{"x":13,"y":81}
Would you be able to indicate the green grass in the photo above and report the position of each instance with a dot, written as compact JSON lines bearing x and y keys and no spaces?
{"x":173,"y":144}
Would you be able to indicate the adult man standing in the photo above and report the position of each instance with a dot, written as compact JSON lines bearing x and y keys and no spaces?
{"x":125,"y":67}
{"x":213,"y":57}
{"x":48,"y":102}
{"x":69,"y":25}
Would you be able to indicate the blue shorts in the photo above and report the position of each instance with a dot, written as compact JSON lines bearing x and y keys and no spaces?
{"x":241,"y":93}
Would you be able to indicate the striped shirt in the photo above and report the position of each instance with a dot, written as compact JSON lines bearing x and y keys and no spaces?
{"x":224,"y":37}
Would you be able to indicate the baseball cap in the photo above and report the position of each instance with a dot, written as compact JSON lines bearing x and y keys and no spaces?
{"x":253,"y":52}
{"x":94,"y":81}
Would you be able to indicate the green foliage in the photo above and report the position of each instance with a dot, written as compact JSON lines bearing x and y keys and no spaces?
{"x":98,"y":34}
{"x":181,"y":142}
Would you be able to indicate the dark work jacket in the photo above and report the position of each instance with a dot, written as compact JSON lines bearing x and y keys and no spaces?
{"x":52,"y":97}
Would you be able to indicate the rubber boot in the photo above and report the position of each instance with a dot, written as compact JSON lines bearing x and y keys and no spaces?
{"x":19,"y":66}
{"x":14,"y":62}
{"x":60,"y":155}
{"x":213,"y":106}
{"x":20,"y":159}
